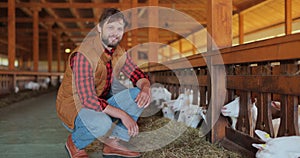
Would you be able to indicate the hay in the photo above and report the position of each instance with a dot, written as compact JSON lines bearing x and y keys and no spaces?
{"x":187,"y":145}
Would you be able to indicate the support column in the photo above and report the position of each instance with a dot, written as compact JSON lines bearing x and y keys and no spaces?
{"x":194,"y":48}
{"x":11,"y":34}
{"x":288,"y":16}
{"x":35,"y":38}
{"x":134,"y":32}
{"x":58,"y":37}
{"x":220,"y":29}
{"x":153,"y":32}
{"x":180,"y":48}
{"x":241,"y":28}
{"x":49,"y":45}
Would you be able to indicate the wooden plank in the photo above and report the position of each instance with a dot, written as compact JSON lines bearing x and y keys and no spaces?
{"x":58,"y":49}
{"x":49,"y":46}
{"x":35,"y":38}
{"x":6,"y":72}
{"x":11,"y":34}
{"x":153,"y":34}
{"x":288,"y":16}
{"x":267,"y":84}
{"x":243,"y":142}
{"x":241,"y":28}
{"x":243,"y":123}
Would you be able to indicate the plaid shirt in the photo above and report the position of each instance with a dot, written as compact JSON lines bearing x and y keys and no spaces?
{"x":85,"y":85}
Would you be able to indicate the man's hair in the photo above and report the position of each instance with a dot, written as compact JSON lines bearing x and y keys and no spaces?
{"x":111,"y":15}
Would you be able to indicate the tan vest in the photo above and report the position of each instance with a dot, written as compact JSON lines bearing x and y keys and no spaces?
{"x":67,"y":102}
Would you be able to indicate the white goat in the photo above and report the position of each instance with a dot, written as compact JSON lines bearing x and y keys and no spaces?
{"x":232,"y":110}
{"x":277,"y":147}
{"x":191,"y":115}
{"x":45,"y":83}
{"x":16,"y":90}
{"x":170,"y":107}
{"x":32,"y":85}
{"x":158,"y":94}
{"x":167,"y":110}
{"x":276,"y":122}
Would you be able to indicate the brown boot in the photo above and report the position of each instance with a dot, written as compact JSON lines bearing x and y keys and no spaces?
{"x":73,"y":151}
{"x":113,"y":147}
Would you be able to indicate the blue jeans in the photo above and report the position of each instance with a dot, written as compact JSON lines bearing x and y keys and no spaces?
{"x":90,"y":124}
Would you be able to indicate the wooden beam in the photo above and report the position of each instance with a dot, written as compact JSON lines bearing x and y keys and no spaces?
{"x":179,"y":6}
{"x":219,"y":29}
{"x":35,"y":38}
{"x":134,"y":33}
{"x":97,"y":11}
{"x":46,"y":19}
{"x":288,"y":16}
{"x":11,"y":35}
{"x":241,"y":28}
{"x":50,"y":46}
{"x":76,"y":15}
{"x":18,"y":46}
{"x":58,"y":49}
{"x":52,"y":13}
{"x":249,"y":4}
{"x":28,"y":11}
{"x":153,"y":20}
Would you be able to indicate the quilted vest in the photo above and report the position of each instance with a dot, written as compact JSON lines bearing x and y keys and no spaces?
{"x":67,"y":102}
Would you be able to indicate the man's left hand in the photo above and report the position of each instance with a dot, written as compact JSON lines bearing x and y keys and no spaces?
{"x":144,"y":97}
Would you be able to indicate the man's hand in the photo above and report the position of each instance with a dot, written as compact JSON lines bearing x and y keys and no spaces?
{"x":129,"y":123}
{"x":144,"y":97}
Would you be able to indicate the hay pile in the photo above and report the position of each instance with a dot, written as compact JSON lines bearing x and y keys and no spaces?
{"x":187,"y":145}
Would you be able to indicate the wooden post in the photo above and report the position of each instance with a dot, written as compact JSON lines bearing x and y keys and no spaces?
{"x":180,"y":48}
{"x":220,"y":29}
{"x":11,"y":34}
{"x":35,"y":38}
{"x":153,"y":32}
{"x":288,"y":16}
{"x":134,"y":23}
{"x":241,"y":28}
{"x":58,"y":34}
{"x":194,"y":48}
{"x":49,"y":46}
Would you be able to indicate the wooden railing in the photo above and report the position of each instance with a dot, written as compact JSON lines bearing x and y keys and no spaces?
{"x":11,"y":79}
{"x":266,"y":70}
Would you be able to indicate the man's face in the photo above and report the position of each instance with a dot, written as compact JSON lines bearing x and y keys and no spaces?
{"x":112,"y":33}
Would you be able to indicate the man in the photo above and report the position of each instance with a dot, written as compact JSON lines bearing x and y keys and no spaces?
{"x":87,"y":102}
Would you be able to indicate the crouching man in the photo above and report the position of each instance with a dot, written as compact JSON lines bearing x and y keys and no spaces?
{"x":87,"y":102}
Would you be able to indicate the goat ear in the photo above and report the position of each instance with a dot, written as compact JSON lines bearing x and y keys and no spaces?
{"x":259,"y":146}
{"x":264,"y":136}
{"x":203,"y":116}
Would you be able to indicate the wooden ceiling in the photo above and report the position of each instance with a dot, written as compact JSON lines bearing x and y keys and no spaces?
{"x":75,"y":18}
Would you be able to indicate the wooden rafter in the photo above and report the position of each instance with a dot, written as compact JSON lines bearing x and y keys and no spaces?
{"x":76,"y":15}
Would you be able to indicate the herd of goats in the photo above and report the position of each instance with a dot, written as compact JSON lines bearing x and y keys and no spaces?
{"x":183,"y":110}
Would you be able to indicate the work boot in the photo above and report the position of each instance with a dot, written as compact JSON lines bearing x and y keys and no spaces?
{"x":112,"y":146}
{"x":73,"y":151}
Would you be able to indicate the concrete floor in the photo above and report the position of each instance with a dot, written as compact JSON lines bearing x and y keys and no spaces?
{"x":31,"y":129}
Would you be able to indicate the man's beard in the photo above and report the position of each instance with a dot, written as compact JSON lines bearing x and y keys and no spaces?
{"x":106,"y":42}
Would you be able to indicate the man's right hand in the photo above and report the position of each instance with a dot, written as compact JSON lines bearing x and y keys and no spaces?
{"x":129,"y":123}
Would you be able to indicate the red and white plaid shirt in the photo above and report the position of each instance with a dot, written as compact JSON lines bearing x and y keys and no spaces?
{"x":85,"y":85}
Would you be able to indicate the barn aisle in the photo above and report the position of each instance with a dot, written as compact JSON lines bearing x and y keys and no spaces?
{"x":31,"y":128}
